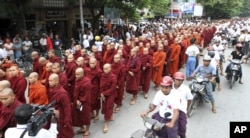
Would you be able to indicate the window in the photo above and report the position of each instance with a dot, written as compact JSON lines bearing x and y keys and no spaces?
{"x":53,"y":3}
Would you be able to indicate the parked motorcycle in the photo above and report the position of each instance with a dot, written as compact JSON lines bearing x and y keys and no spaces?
{"x":152,"y":126}
{"x":24,"y":64}
{"x":234,"y":71}
{"x":198,"y":89}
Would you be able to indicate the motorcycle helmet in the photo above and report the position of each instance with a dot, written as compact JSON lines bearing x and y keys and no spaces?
{"x":239,"y":46}
{"x":166,"y":81}
{"x":207,"y":58}
{"x":179,"y":76}
{"x":211,"y":54}
{"x":210,"y":48}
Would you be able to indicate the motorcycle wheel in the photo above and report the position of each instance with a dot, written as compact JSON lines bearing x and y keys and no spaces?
{"x":192,"y":105}
{"x":232,"y":80}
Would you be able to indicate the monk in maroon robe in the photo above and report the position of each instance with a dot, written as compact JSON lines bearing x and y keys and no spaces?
{"x":81,"y":103}
{"x":146,"y":71}
{"x":43,"y":72}
{"x":17,"y":83}
{"x":175,"y":59}
{"x":128,"y":46}
{"x":2,"y":75}
{"x":35,"y":62}
{"x":119,"y":69}
{"x":167,"y":50}
{"x":60,"y":96}
{"x":80,"y":62}
{"x":109,"y":54}
{"x":85,"y":56}
{"x":133,"y":75}
{"x":107,"y":91}
{"x":7,"y":109}
{"x":63,"y":80}
{"x":94,"y":73}
{"x":158,"y":64}
{"x":97,"y":54}
{"x":53,"y":58}
{"x":77,"y":52}
{"x":70,"y":68}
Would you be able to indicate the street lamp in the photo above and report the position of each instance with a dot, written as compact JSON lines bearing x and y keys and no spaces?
{"x":82,"y":21}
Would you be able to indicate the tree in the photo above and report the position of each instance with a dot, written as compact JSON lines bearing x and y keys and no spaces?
{"x":16,"y":9}
{"x":222,"y":8}
{"x":159,"y":7}
{"x":127,"y":8}
{"x":245,"y":11}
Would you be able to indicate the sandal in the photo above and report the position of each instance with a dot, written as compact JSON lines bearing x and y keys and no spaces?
{"x":146,"y":96}
{"x":86,"y":135}
{"x":80,"y":131}
{"x":96,"y":119}
{"x":240,"y":82}
{"x":105,"y":129}
{"x":214,"y":110}
{"x":117,"y":109}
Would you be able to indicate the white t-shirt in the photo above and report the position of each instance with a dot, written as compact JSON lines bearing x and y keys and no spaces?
{"x":43,"y":41}
{"x":99,"y":45}
{"x":167,"y":103}
{"x":215,"y":59}
{"x":43,"y":133}
{"x":27,"y":45}
{"x":219,"y":49}
{"x":85,"y":43}
{"x":184,"y":94}
{"x":9,"y":46}
{"x":192,"y":50}
{"x":3,"y":53}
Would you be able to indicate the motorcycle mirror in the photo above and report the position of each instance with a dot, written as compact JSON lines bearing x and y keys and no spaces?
{"x":167,"y":114}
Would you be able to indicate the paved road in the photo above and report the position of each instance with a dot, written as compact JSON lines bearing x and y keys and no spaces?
{"x":232,"y":105}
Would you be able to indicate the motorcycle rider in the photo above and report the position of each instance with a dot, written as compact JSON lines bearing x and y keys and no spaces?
{"x":185,"y":95}
{"x":236,"y":54}
{"x":207,"y":71}
{"x":220,"y":49}
{"x":215,"y":62}
{"x":168,"y":102}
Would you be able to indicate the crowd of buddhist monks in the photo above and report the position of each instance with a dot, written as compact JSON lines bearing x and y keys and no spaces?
{"x":85,"y":82}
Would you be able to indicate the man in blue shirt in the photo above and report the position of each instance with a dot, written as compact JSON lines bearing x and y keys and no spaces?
{"x":207,"y":71}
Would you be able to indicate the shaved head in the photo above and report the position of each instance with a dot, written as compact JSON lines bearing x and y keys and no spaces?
{"x":4,"y":84}
{"x":34,"y":74}
{"x":107,"y":68}
{"x":53,"y":80}
{"x":117,"y":58}
{"x":79,"y":73}
{"x":8,"y":91}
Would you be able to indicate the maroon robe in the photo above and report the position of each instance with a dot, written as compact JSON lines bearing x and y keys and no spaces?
{"x":64,"y":123}
{"x":55,"y":59}
{"x":109,"y":56}
{"x":108,"y":89}
{"x":63,"y":80}
{"x":18,"y":84}
{"x":36,"y":66}
{"x":119,"y":70}
{"x":7,"y":118}
{"x":132,"y":82}
{"x":147,"y":63}
{"x":127,"y":49}
{"x":167,"y":50}
{"x":82,"y":93}
{"x":70,"y":68}
{"x":94,"y":75}
{"x":77,"y":54}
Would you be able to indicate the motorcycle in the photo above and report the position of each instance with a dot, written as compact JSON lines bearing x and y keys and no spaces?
{"x":24,"y":64}
{"x":152,"y":126}
{"x":234,"y":72}
{"x":198,"y":90}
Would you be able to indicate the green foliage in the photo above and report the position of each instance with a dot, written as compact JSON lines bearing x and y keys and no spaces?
{"x":222,"y":8}
{"x":245,"y":11}
{"x":159,"y":7}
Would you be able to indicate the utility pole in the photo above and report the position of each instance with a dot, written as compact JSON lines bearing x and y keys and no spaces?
{"x":171,"y":12}
{"x":82,"y":22}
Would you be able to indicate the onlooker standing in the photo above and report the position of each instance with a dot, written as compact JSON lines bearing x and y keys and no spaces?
{"x":8,"y":46}
{"x":18,"y":48}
